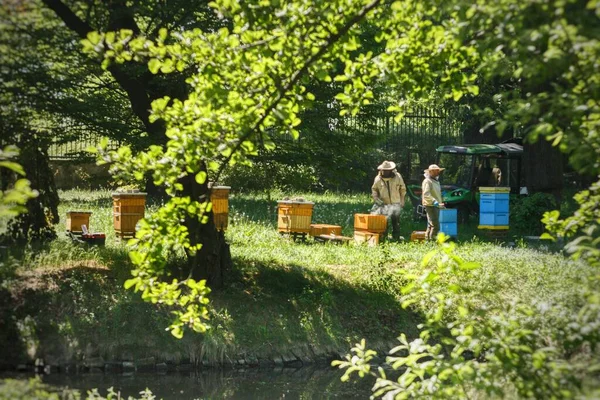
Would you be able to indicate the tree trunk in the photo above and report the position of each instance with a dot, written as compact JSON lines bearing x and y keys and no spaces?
{"x":213,"y":261}
{"x":37,"y":224}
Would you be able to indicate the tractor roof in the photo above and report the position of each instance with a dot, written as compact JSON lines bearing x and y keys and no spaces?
{"x":502,"y":148}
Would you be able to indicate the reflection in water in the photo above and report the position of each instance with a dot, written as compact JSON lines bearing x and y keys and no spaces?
{"x":302,"y":383}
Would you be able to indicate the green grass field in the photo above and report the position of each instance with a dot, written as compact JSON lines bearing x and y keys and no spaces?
{"x":281,"y":295}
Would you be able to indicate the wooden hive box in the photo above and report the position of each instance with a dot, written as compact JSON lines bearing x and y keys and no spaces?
{"x":219,"y":197}
{"x":77,"y":218}
{"x":128,"y":209}
{"x":370,"y":238}
{"x":325,"y":229}
{"x":418,"y":236}
{"x":370,"y":223}
{"x":294,"y":216}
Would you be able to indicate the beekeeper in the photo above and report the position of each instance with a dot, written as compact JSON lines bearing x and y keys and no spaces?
{"x":388,"y":193}
{"x":432,"y":200}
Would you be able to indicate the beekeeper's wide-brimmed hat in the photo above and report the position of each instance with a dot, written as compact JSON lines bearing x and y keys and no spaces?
{"x":434,"y":166}
{"x":387,"y":166}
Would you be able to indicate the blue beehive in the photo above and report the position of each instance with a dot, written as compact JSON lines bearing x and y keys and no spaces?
{"x":493,"y":202}
{"x":493,"y":219}
{"x":448,"y":221}
{"x":493,"y":208}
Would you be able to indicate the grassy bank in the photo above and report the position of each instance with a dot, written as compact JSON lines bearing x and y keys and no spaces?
{"x":284,"y":300}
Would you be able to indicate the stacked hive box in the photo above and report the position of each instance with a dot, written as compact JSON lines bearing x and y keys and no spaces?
{"x":294,"y":216}
{"x":219,"y":197}
{"x":493,"y":209}
{"x":369,"y":228}
{"x":128,"y":209}
{"x":449,"y":221}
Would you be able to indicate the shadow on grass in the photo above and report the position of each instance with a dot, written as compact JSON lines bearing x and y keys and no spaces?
{"x":76,"y":314}
{"x":80,"y":312}
{"x":278,"y":305}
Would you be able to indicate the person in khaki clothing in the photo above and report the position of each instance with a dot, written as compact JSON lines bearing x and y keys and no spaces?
{"x":432,"y":200}
{"x":388,"y":193}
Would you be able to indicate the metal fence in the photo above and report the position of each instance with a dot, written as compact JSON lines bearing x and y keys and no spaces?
{"x":77,"y":149}
{"x":410,"y":141}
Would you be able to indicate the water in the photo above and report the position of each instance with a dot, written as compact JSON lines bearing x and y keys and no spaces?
{"x":282,"y":383}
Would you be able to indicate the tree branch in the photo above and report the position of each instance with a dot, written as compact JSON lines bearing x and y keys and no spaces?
{"x":135,"y":86}
{"x":296,"y":76}
{"x":70,"y":19}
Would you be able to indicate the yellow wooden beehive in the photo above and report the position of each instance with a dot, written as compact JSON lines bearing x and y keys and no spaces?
{"x":325,"y":229}
{"x":128,"y":209}
{"x":370,"y":238}
{"x":370,"y":223}
{"x":219,"y":197}
{"x":77,"y":218}
{"x":294,"y":216}
{"x":418,"y":236}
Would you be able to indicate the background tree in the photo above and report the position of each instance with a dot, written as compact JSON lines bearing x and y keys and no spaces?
{"x":52,"y":94}
{"x":13,"y":197}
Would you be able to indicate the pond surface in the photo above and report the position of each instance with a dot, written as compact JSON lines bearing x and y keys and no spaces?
{"x":282,"y":383}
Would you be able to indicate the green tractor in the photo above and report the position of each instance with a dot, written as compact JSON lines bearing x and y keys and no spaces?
{"x":468,"y":167}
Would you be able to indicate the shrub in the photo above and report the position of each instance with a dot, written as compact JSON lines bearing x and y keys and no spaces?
{"x":526,"y":212}
{"x":272,"y":175}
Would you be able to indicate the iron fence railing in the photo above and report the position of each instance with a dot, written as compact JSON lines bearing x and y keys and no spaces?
{"x":77,"y":149}
{"x":410,"y":141}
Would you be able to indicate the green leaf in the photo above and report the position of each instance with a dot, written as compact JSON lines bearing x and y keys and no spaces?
{"x":162,"y":34}
{"x":201,"y":177}
{"x":177,"y":332}
{"x":322,"y":75}
{"x":130,"y":282}
{"x":13,"y":166}
{"x":136,"y":257}
{"x":92,"y":149}
{"x":154,"y":65}
{"x":427,"y":258}
{"x":94,"y":37}
{"x":103,"y":143}
{"x":457,"y":94}
{"x":548,"y":236}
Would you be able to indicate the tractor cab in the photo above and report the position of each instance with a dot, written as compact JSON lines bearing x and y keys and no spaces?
{"x":470,"y":166}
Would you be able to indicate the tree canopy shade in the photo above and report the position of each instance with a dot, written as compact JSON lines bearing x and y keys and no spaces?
{"x":54,"y":93}
{"x":51,"y":88}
